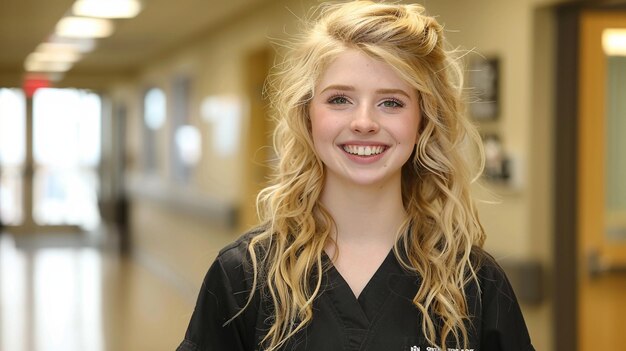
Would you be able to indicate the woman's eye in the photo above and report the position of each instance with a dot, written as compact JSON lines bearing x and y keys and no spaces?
{"x":392,"y":103}
{"x":338,"y":100}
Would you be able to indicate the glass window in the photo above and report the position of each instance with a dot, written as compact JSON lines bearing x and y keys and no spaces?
{"x":188,"y":145}
{"x":154,"y":107}
{"x":154,"y":116}
{"x":66,"y":151}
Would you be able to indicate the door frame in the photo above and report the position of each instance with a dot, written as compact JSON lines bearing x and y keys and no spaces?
{"x":564,"y":292}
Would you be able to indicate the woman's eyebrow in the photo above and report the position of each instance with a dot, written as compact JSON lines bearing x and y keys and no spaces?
{"x":339,"y":87}
{"x":393,"y":91}
{"x":378,"y":91}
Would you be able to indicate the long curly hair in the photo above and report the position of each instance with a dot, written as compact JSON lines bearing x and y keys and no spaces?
{"x":442,"y":226}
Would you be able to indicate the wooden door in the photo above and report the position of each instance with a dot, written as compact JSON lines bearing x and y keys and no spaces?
{"x":601,"y":187}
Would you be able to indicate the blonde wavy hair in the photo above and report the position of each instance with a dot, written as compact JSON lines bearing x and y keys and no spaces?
{"x":442,"y":226}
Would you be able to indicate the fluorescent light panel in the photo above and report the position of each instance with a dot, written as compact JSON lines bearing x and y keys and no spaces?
{"x":47,"y":66}
{"x":614,"y":42}
{"x":56,"y":52}
{"x":83,"y":45}
{"x":83,"y":27}
{"x":107,"y":8}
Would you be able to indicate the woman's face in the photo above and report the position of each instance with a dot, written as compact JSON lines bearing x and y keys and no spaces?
{"x":364,"y":120}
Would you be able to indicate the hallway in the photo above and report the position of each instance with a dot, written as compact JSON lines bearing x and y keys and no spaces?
{"x":163,"y":129}
{"x":59,"y":294}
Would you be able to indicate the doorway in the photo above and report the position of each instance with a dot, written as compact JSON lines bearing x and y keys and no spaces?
{"x":590,"y":226}
{"x":49,"y":157}
{"x":601,"y":205}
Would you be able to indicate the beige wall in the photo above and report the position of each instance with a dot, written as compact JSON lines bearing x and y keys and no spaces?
{"x":517,"y":218}
{"x":176,"y":244}
{"x":518,"y":224}
{"x":501,"y":29}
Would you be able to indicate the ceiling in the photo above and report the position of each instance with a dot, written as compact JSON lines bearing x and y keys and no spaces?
{"x":162,"y":25}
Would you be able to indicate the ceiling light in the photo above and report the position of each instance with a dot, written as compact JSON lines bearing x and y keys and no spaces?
{"x":82,"y":27}
{"x":614,"y":42}
{"x":107,"y":8}
{"x":53,"y":57}
{"x":83,"y":45}
{"x":57,"y":52}
{"x":47,"y":66}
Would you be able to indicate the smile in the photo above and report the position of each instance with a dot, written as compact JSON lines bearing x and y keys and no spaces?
{"x":364,"y":150}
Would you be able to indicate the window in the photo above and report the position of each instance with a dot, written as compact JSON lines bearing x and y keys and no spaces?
{"x":154,"y":115}
{"x":66,"y":152}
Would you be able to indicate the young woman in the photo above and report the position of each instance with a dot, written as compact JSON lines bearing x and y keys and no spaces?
{"x":369,"y":237}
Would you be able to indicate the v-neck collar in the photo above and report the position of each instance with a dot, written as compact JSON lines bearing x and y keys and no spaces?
{"x":361,"y":312}
{"x":360,"y":319}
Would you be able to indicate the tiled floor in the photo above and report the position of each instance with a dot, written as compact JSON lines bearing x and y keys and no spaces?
{"x":60,"y":296}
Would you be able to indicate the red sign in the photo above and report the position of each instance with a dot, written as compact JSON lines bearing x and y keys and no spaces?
{"x":34,"y":82}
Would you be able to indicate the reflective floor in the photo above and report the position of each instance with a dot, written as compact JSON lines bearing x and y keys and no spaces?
{"x":55,"y":295}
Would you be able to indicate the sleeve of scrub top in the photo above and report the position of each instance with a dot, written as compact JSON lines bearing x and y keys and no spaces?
{"x":222,"y":295}
{"x":503,"y":326}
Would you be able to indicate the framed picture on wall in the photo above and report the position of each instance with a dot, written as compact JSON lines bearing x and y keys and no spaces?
{"x":483,"y":82}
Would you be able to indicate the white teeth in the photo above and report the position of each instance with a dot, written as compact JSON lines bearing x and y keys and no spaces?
{"x":363,"y":150}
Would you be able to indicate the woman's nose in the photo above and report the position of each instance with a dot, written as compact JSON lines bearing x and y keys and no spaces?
{"x":364,"y":122}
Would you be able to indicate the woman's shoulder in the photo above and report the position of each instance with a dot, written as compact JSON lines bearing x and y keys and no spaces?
{"x":484,"y":263}
{"x":494,"y":304}
{"x":236,"y":255}
{"x":492,"y":279}
{"x":232,"y":269}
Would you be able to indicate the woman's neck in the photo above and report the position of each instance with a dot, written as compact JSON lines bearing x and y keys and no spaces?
{"x":365,"y":215}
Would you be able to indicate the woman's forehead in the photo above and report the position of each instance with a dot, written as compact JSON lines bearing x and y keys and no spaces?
{"x":354,"y":68}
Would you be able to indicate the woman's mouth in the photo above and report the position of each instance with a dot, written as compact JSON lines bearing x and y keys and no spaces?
{"x":364,"y":150}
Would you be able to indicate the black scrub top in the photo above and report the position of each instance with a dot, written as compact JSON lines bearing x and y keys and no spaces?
{"x":383,"y":318}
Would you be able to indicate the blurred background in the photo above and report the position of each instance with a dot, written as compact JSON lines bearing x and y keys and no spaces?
{"x":134,"y":138}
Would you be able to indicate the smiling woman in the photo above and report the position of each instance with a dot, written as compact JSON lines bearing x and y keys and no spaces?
{"x":369,"y":238}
